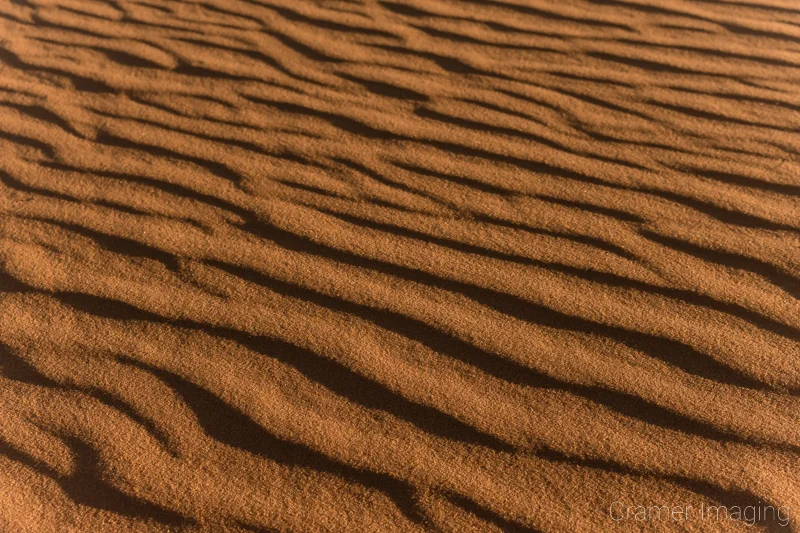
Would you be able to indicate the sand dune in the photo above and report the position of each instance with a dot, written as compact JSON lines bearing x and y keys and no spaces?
{"x":338,"y":265}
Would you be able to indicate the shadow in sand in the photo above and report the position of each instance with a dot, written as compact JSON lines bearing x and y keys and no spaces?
{"x":232,"y":427}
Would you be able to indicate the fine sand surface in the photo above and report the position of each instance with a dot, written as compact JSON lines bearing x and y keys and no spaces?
{"x":398,"y":265}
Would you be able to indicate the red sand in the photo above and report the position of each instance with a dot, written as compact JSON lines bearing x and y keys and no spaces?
{"x":483,"y":265}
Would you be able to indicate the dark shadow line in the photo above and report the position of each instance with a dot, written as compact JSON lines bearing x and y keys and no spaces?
{"x":596,"y":276}
{"x":301,"y":48}
{"x":119,"y":245}
{"x":466,"y":39}
{"x":338,"y":121}
{"x":40,"y":22}
{"x":383,"y":180}
{"x":36,"y":144}
{"x":503,"y":110}
{"x":574,"y":237}
{"x":501,"y":368}
{"x":86,"y":487}
{"x":488,"y":515}
{"x":710,"y":52}
{"x":221,"y":170}
{"x":14,"y":367}
{"x":164,"y":186}
{"x":744,"y":181}
{"x":449,"y":64}
{"x":244,"y":145}
{"x":673,"y":352}
{"x":478,"y":185}
{"x":498,"y":367}
{"x":40,"y":113}
{"x":217,"y":9}
{"x":81,"y":83}
{"x":744,"y":30}
{"x":13,"y":183}
{"x":727,"y":216}
{"x":347,"y":383}
{"x":649,"y":65}
{"x":736,"y":97}
{"x":475,"y":125}
{"x":750,"y":5}
{"x":385,"y":89}
{"x":651,"y":10}
{"x":717,"y":117}
{"x":295,"y":16}
{"x":776,"y":276}
{"x":622,"y":216}
{"x":230,"y":426}
{"x":527,"y":9}
{"x":256,"y":55}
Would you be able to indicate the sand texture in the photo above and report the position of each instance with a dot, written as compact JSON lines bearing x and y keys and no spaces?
{"x":397,"y":265}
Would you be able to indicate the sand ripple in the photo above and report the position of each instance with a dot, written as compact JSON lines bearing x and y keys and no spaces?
{"x":487,"y":265}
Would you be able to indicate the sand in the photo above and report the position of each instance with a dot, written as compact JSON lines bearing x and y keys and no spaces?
{"x":412,"y":265}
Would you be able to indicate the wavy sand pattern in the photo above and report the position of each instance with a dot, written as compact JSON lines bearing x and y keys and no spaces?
{"x":412,"y":265}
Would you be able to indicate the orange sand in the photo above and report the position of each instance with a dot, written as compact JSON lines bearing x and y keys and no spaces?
{"x":397,"y":265}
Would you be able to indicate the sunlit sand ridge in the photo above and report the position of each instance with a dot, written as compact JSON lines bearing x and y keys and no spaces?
{"x":432,"y":265}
